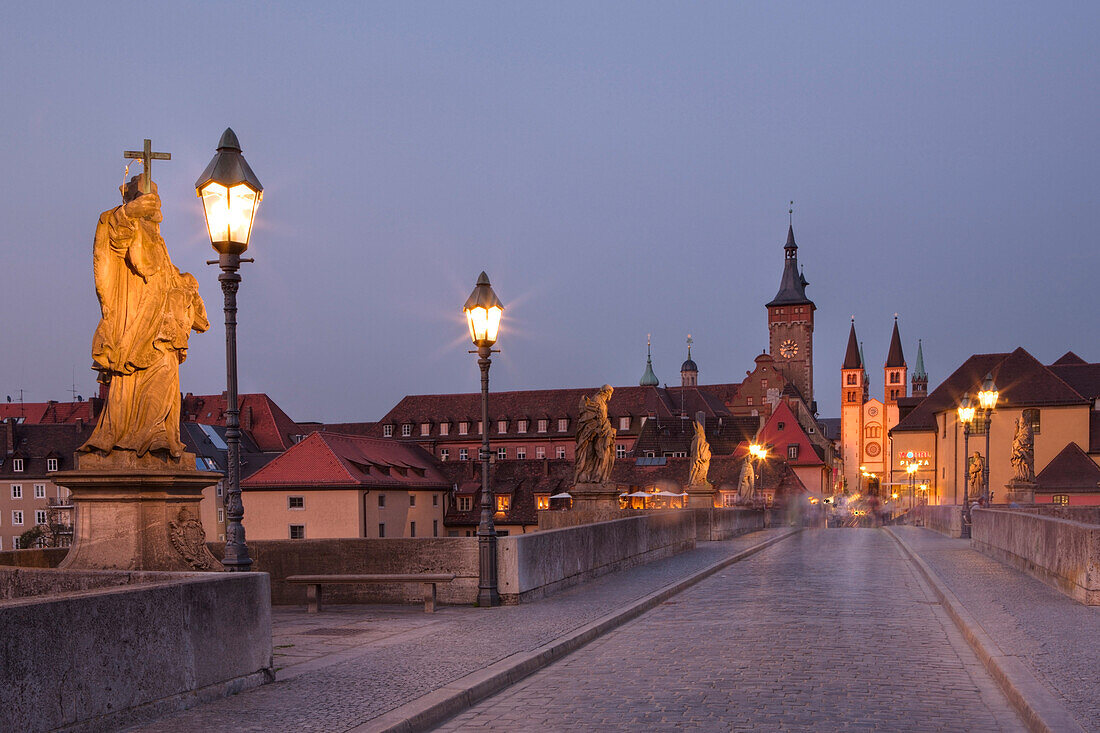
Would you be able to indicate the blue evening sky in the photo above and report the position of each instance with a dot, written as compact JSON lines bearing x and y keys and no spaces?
{"x":618,"y":169}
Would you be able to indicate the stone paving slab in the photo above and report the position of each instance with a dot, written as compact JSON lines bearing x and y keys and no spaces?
{"x":334,"y":682}
{"x":1056,"y":638}
{"x":828,"y":630}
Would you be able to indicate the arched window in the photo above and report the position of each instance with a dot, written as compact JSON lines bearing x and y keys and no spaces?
{"x":874,"y":430}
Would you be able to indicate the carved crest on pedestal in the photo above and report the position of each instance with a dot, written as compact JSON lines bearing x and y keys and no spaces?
{"x":188,"y":537}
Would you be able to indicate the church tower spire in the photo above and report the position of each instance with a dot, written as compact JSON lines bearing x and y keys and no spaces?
{"x":791,"y":322}
{"x":895,"y":369}
{"x":649,"y":379}
{"x":853,"y":395}
{"x":689,"y":371}
{"x":920,"y":377}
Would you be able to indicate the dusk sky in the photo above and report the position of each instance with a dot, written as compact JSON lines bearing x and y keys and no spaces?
{"x":618,"y":169}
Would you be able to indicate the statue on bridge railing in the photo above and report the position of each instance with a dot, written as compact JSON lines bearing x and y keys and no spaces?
{"x":595,"y":454}
{"x":975,"y":475}
{"x":746,"y":482}
{"x":700,"y":457}
{"x":1023,"y":452}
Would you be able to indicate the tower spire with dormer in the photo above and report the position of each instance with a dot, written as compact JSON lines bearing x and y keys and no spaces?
{"x":649,"y":379}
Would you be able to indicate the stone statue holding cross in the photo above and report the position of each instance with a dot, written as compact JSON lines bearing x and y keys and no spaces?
{"x":149,"y":309}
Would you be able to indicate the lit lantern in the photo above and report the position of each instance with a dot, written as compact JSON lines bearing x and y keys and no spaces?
{"x":483,"y":310}
{"x":988,"y":394}
{"x":966,"y":410}
{"x":230,"y":194}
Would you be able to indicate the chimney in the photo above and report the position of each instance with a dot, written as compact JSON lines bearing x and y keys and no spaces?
{"x":545,"y":466}
{"x":8,"y":437}
{"x":246,"y":418}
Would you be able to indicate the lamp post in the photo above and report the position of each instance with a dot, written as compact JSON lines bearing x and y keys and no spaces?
{"x":230,"y":194}
{"x":758,"y":453}
{"x":911,"y":469}
{"x":483,"y":310}
{"x":987,"y":397}
{"x":966,"y":416}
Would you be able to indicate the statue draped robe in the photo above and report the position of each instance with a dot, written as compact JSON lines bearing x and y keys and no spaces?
{"x":595,"y":453}
{"x":700,"y":457}
{"x":148,"y":310}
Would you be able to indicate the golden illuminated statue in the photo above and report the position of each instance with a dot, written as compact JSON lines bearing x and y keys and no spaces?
{"x":149,"y":309}
{"x":595,"y":454}
{"x":1023,"y":452}
{"x":975,"y":475}
{"x":700,"y":456}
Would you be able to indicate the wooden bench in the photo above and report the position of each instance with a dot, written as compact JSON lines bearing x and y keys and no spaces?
{"x":313,"y":584}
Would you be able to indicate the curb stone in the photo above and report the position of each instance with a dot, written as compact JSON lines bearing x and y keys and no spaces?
{"x":1041,"y":710}
{"x":441,"y":704}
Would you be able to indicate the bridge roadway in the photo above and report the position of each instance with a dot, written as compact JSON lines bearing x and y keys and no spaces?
{"x":827,"y":630}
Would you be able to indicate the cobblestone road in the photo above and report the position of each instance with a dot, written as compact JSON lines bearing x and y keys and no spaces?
{"x":351,"y":664}
{"x":828,"y":630}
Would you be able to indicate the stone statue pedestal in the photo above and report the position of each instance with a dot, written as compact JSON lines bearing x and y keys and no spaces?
{"x":593,"y":496}
{"x":1021,"y":492}
{"x":700,"y":496}
{"x":137,"y":513}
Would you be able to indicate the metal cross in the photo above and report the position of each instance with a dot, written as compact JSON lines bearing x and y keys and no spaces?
{"x":147,"y":156}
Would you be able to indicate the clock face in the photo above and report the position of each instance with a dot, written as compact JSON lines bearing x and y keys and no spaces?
{"x":788,"y":349}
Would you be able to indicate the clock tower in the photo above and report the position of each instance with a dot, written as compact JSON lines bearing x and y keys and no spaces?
{"x":791,"y":325}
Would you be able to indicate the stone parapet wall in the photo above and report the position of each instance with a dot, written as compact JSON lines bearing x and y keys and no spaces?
{"x":943,"y":518}
{"x":281,"y":558}
{"x":531,"y":566}
{"x":93,"y":650}
{"x":45,"y":557}
{"x":722,"y":524}
{"x":559,"y":519}
{"x":1060,"y":552}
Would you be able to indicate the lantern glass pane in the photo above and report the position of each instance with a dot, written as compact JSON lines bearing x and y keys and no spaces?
{"x":242,"y":207}
{"x":477,"y":318}
{"x":493,"y":324}
{"x":215,"y":203}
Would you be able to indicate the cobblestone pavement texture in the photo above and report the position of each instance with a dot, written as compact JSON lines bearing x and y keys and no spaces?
{"x":351,"y":664}
{"x":827,"y":630}
{"x":1054,"y":635}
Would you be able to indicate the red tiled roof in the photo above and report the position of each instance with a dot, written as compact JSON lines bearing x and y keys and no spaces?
{"x":1084,"y":378}
{"x":1070,"y":470}
{"x":334,"y":460}
{"x":792,"y":433}
{"x":51,"y":412}
{"x":269,"y":426}
{"x":550,"y":404}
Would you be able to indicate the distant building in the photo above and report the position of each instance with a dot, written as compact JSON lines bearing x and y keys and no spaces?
{"x":1060,"y":400}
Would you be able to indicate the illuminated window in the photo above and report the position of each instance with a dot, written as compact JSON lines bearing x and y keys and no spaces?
{"x":444,"y":454}
{"x":298,"y":502}
{"x":463,"y":428}
{"x":1060,"y":499}
{"x":521,"y":453}
{"x":792,"y":452}
{"x":542,"y":426}
{"x":561,"y":451}
{"x":563,"y":425}
{"x":502,"y":453}
{"x":521,"y":426}
{"x":542,"y":501}
{"x":763,"y":384}
{"x":540,"y":452}
{"x":387,"y":431}
{"x":406,"y":430}
{"x":463,"y":454}
{"x":749,"y":401}
{"x":444,"y":428}
{"x":40,"y":492}
{"x":502,"y":426}
{"x":503,"y":503}
{"x":51,"y":464}
{"x":624,"y":423}
{"x":425,"y":428}
{"x":479,"y":427}
{"x":465,"y":503}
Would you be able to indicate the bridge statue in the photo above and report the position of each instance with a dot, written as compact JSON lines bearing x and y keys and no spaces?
{"x":149,"y":309}
{"x":700,"y":456}
{"x":746,"y":482}
{"x":1023,"y":452}
{"x":595,"y":454}
{"x":975,"y":476}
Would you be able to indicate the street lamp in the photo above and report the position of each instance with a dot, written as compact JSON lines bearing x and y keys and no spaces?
{"x":987,"y":397}
{"x":759,"y":453}
{"x":966,"y":416}
{"x":483,"y":310}
{"x":911,"y":469}
{"x":230,"y":194}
